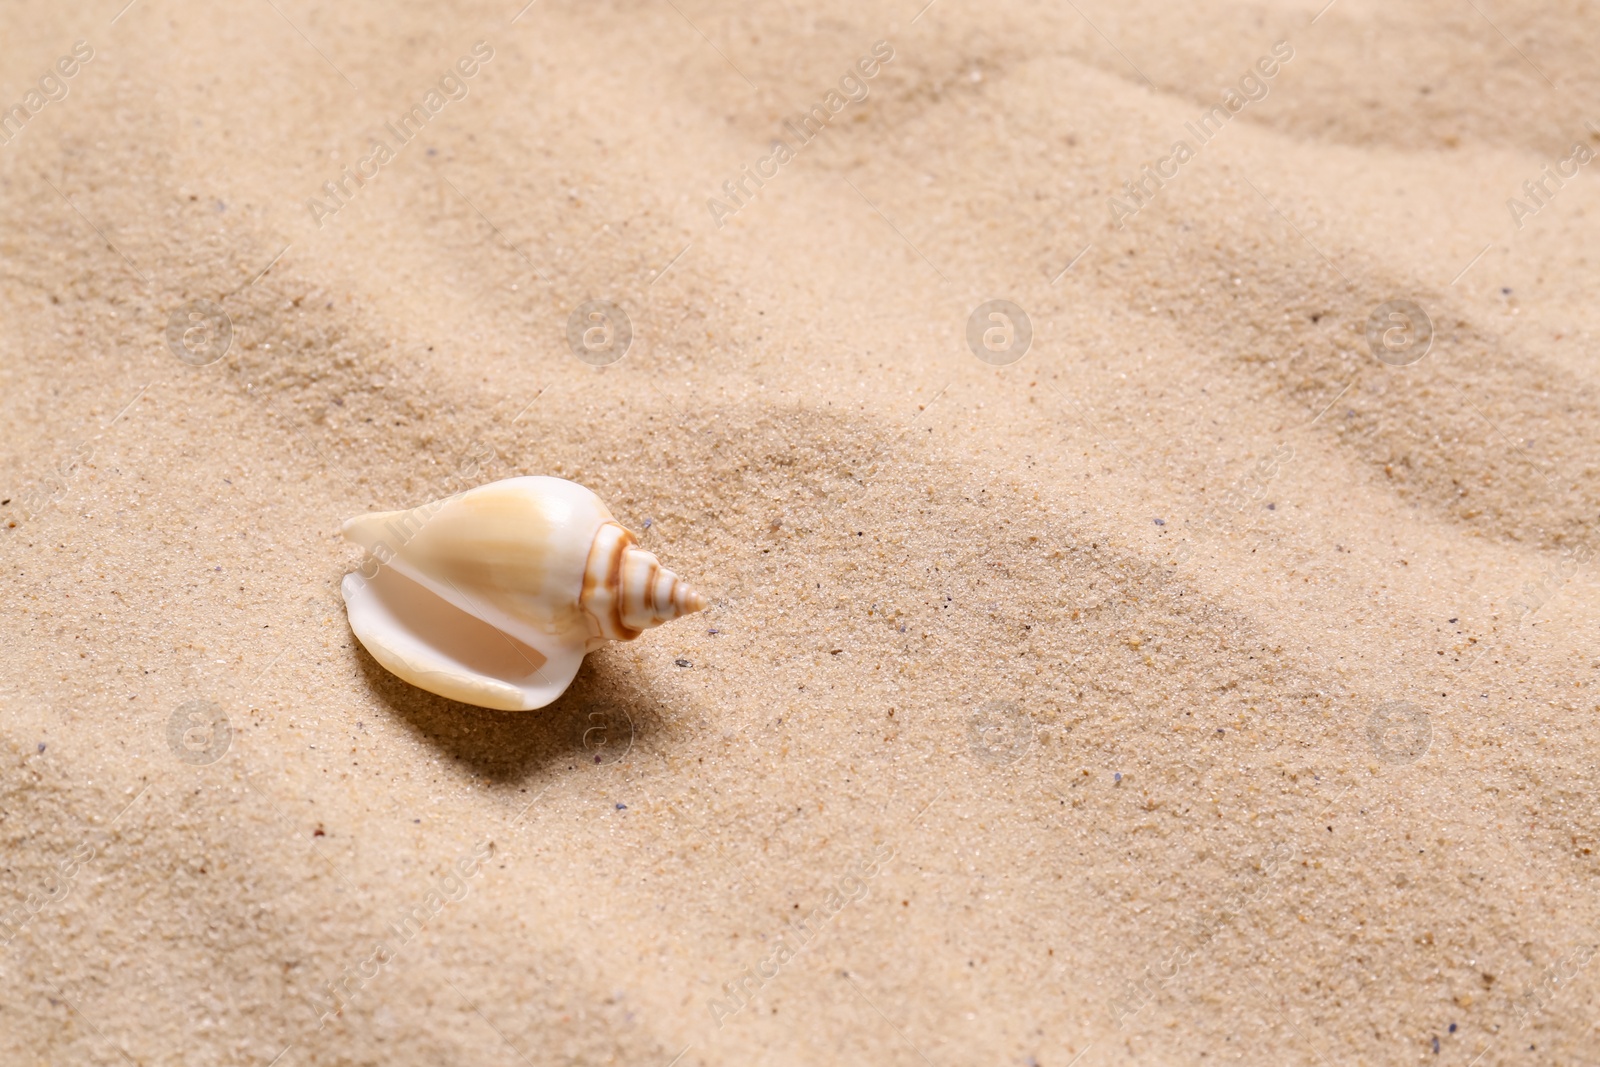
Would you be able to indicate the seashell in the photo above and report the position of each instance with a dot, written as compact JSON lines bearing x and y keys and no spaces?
{"x":493,"y":596}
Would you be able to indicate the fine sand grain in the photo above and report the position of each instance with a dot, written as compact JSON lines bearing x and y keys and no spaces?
{"x":1197,"y":688}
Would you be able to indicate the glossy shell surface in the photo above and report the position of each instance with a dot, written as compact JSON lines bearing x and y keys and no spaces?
{"x":493,"y":596}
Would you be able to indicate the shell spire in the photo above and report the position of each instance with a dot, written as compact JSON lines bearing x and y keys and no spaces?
{"x":626,"y":590}
{"x":493,"y":596}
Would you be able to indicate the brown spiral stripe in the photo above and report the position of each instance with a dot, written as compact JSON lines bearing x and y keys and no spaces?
{"x":601,"y":595}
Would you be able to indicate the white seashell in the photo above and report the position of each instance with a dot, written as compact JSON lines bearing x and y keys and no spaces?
{"x":493,"y":596}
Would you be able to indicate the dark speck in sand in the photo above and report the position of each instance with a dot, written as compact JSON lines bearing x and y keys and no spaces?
{"x":622,"y":807}
{"x":41,"y":746}
{"x":1161,"y":522}
{"x":1272,"y":507}
{"x":1117,"y":777}
{"x":683,"y":663}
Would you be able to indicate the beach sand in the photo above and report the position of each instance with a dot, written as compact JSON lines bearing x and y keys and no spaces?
{"x":1195,"y":688}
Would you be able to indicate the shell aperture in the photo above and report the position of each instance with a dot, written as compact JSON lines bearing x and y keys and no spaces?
{"x":493,"y":596}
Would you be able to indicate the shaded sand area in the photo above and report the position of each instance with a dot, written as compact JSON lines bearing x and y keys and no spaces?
{"x":1195,"y":688}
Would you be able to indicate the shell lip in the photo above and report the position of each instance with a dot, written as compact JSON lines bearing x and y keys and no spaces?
{"x":424,"y":639}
